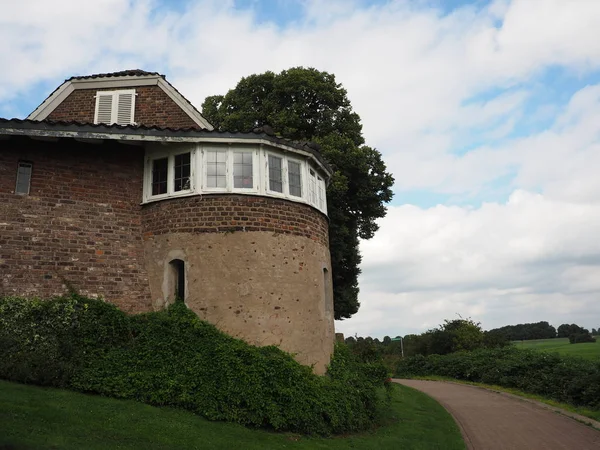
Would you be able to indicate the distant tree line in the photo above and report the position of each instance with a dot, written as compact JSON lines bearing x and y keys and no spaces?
{"x":462,"y":334}
{"x":451,"y":336}
{"x":526,"y":331}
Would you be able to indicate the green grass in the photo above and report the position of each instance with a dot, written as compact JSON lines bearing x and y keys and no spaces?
{"x":592,"y":414}
{"x":43,"y":418}
{"x":586,"y":350}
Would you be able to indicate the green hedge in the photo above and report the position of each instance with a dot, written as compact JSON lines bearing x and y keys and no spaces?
{"x":565,"y":379}
{"x":173,"y":358}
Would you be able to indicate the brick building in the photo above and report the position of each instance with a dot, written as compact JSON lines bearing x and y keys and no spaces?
{"x":117,"y":186}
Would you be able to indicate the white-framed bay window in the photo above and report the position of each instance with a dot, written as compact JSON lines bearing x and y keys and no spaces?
{"x":169,"y":174}
{"x":205,"y":168}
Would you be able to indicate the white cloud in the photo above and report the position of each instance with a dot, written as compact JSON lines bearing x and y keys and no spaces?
{"x":430,"y":88}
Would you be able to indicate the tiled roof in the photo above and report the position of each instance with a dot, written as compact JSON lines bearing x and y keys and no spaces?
{"x":264,"y":132}
{"x":122,"y":73}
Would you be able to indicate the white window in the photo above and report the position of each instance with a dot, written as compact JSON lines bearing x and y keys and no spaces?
{"x":312,"y":187}
{"x":115,"y":107}
{"x":183,"y":169}
{"x":243,"y":170}
{"x":171,"y":174}
{"x":321,"y":193}
{"x":160,"y":173}
{"x":295,"y":178}
{"x":23,"y":178}
{"x":275,"y":164}
{"x":216,"y":169}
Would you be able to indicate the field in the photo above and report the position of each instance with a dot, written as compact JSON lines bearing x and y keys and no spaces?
{"x":562,"y":346}
{"x":34,"y":417}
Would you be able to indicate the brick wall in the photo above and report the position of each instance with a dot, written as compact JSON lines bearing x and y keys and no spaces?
{"x":153,"y":107}
{"x":230,"y":213}
{"x":81,"y":222}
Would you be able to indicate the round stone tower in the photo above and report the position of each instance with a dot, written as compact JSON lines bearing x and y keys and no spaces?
{"x":237,"y":227}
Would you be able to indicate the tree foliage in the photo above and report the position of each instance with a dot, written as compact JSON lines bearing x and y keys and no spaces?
{"x":451,"y":336}
{"x":526,"y":331}
{"x":566,"y":330}
{"x":305,"y":104}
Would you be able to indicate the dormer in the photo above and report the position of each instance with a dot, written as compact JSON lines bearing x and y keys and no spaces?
{"x":130,"y":97}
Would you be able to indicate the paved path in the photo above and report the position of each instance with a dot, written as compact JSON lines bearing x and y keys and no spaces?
{"x":492,"y":421}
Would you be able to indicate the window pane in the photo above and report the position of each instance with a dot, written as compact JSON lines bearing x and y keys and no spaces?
{"x":242,"y":170}
{"x":312,"y":188}
{"x":216,"y":169}
{"x":321,"y":190}
{"x":23,"y":178}
{"x":182,"y":172}
{"x":159,"y":176}
{"x":294,"y":178}
{"x":275,"y":175}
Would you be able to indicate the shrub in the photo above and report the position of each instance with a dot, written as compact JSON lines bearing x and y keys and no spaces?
{"x":44,"y":342}
{"x":579,"y":338}
{"x":562,"y":378}
{"x":173,"y":358}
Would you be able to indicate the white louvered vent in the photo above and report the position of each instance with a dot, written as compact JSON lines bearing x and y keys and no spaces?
{"x":103,"y":108}
{"x":115,"y":107}
{"x":125,"y":108}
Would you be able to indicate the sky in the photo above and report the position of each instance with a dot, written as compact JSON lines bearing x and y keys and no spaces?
{"x":486,"y":112}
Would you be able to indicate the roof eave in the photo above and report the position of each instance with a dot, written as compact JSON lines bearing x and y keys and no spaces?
{"x":124,"y":134}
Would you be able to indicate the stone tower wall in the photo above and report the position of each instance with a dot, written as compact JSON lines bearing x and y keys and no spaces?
{"x":258,"y":268}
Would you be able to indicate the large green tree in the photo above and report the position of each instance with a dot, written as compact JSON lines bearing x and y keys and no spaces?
{"x":304,"y":104}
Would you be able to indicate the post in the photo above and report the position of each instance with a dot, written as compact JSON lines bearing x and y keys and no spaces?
{"x":401,"y":339}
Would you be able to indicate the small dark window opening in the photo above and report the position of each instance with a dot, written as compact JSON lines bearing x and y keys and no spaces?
{"x":159,"y":176}
{"x":178,"y":267}
{"x":23,"y":177}
{"x":327,"y":291}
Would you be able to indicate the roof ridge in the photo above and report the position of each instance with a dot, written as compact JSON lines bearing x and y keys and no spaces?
{"x":120,"y":73}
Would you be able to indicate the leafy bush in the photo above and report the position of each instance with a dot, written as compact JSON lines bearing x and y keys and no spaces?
{"x":44,"y":342}
{"x":579,"y":338}
{"x":173,"y":358}
{"x":562,"y":378}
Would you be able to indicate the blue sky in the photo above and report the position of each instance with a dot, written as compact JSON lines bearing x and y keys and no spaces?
{"x":487,"y":113}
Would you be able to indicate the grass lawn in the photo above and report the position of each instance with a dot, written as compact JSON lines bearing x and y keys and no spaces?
{"x":586,"y":350}
{"x":43,"y":418}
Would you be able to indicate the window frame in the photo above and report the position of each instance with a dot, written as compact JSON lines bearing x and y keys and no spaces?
{"x":312,"y":187}
{"x":204,"y":170}
{"x":302,"y":177}
{"x":170,"y":157}
{"x":23,"y":163}
{"x":255,"y":172}
{"x":283,"y":159}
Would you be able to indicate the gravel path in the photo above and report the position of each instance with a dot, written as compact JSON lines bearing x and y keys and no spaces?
{"x":492,"y":421}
